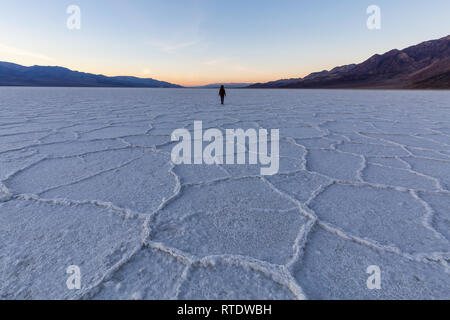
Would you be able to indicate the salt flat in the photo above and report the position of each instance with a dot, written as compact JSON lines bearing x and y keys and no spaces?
{"x":86,"y":179}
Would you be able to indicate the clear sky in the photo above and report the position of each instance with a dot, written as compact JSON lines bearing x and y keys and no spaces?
{"x":193,"y":42}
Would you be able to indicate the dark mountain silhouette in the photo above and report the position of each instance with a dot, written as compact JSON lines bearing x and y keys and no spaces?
{"x":227,"y":85}
{"x":423,"y":66}
{"x":16,"y":75}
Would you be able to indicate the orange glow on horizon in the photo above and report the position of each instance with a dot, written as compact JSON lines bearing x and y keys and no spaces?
{"x":203,"y":80}
{"x":184,"y":78}
{"x":193,"y":81}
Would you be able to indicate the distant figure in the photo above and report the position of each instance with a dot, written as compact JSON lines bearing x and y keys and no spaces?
{"x":222,"y":94}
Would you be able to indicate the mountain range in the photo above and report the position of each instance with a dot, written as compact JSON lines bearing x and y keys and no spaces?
{"x":41,"y":76}
{"x":423,"y":66}
{"x":227,"y":85}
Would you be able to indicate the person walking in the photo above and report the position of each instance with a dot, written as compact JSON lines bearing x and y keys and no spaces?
{"x":222,"y":94}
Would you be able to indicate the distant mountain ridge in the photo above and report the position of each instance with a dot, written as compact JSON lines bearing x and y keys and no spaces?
{"x":423,"y":66}
{"x":227,"y":85}
{"x":12,"y":74}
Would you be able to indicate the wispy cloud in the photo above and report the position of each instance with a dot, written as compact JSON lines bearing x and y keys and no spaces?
{"x":171,"y":47}
{"x":226,"y":63}
{"x":21,"y":52}
{"x":146,"y":72}
{"x":239,"y":67}
{"x":212,"y":62}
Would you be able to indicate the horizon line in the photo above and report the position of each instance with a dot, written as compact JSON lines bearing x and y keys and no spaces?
{"x":202,"y":84}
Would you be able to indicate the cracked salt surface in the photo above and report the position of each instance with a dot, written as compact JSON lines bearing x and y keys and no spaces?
{"x":86,"y":179}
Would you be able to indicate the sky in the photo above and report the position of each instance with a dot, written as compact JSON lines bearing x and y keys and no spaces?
{"x":196,"y":42}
